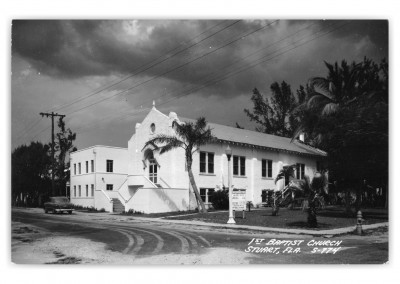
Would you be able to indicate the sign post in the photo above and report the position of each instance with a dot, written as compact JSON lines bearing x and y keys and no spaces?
{"x":231,"y":219}
{"x":239,"y":200}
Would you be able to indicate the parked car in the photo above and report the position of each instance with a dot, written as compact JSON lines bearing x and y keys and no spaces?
{"x":58,"y":204}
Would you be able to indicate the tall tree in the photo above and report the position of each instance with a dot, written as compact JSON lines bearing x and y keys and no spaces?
{"x":347,"y":115}
{"x":30,"y":168}
{"x":64,"y":146}
{"x":275,"y":115}
{"x":189,"y":136}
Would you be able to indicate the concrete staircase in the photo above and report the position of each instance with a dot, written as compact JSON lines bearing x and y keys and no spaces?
{"x":118,"y":207}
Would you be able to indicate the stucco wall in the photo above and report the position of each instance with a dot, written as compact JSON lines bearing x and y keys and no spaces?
{"x":100,"y":177}
{"x":154,"y":200}
{"x":128,"y":170}
{"x":172,"y":164}
{"x":85,"y":202}
{"x":101,"y":201}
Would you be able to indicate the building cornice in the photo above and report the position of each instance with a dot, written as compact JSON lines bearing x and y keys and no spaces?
{"x":221,"y":141}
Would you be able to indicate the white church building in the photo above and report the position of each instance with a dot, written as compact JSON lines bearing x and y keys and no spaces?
{"x":138,"y":178}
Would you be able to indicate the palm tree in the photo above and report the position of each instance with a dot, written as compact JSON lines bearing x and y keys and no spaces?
{"x":327,"y":96}
{"x":189,"y":136}
{"x":312,"y":191}
{"x":337,"y":89}
{"x":337,"y":110}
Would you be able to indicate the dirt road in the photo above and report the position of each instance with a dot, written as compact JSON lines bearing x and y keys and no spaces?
{"x":103,"y":238}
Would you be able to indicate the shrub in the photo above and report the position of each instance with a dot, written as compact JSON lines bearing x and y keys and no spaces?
{"x":131,"y":212}
{"x":220,"y":199}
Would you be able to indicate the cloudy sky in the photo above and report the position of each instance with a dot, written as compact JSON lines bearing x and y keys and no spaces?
{"x":104,"y":75}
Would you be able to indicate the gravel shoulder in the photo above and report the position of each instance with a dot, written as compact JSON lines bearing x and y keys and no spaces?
{"x":36,"y":246}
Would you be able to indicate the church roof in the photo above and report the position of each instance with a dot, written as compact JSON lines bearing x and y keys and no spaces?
{"x":260,"y":140}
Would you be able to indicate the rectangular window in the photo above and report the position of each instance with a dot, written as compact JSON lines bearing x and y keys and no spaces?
{"x":92,"y":166}
{"x":242,"y":166}
{"x":210,"y":163}
{"x":109,"y":187}
{"x":264,"y":195}
{"x":300,"y":169}
{"x":269,"y":173}
{"x":87,"y":190}
{"x":203,"y":193}
{"x":206,"y":194}
{"x":109,"y":166}
{"x":206,"y":162}
{"x":74,"y":190}
{"x":203,"y":162}
{"x":235,"y":165}
{"x":79,"y":190}
{"x":74,"y":169}
{"x":266,"y":168}
{"x":239,"y":166}
{"x":79,"y":168}
{"x":87,"y":166}
{"x":92,"y":189}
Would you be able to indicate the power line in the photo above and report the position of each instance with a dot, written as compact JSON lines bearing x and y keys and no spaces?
{"x":29,"y":128}
{"x":256,"y":63}
{"x":138,"y":70}
{"x":226,"y":67}
{"x":174,"y":54}
{"x":177,"y":67}
{"x":224,"y":77}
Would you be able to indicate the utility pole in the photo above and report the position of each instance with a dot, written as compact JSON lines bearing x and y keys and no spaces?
{"x":52,"y":115}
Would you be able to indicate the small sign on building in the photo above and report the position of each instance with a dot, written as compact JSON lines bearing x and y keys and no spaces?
{"x":238,"y":199}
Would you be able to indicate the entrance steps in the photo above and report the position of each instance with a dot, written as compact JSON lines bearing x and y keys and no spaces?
{"x":118,"y":207}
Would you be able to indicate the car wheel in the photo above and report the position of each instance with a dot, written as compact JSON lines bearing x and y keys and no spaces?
{"x":46,"y":211}
{"x":69,"y":212}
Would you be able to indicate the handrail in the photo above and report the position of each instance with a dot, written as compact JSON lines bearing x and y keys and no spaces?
{"x":123,"y":198}
{"x":109,"y":199}
{"x":165,"y":182}
{"x":152,"y":183}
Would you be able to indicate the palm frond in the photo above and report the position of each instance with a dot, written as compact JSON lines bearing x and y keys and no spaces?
{"x":317,"y":100}
{"x":301,"y":187}
{"x":297,"y":132}
{"x":330,"y":108}
{"x":173,"y":144}
{"x":297,"y":187}
{"x":320,"y":83}
{"x":286,"y":172}
{"x":161,"y":139}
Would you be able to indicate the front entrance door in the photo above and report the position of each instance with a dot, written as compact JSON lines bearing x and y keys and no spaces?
{"x":153,"y":171}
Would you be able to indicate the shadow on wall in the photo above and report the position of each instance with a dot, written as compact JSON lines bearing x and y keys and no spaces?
{"x":167,"y":199}
{"x":133,"y":189}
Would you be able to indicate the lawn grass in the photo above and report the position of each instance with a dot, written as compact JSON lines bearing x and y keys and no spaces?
{"x":166,"y":214}
{"x":329,"y":218}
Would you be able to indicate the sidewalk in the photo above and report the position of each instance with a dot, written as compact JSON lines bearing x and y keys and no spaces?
{"x":110,"y":217}
{"x":331,"y":232}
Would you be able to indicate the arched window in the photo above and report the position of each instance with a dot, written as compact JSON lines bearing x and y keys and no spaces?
{"x":152,"y":163}
{"x":152,"y":128}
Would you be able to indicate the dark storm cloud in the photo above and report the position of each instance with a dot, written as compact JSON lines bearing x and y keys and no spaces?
{"x":85,"y":48}
{"x":376,"y":30}
{"x":74,"y":49}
